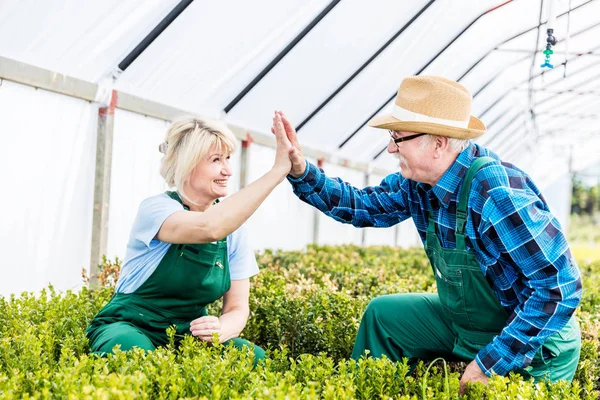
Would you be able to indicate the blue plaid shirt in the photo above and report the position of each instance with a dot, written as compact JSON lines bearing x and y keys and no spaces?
{"x":517,"y":241}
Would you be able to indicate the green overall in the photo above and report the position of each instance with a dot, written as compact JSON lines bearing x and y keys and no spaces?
{"x":187,"y":279}
{"x":462,"y":318}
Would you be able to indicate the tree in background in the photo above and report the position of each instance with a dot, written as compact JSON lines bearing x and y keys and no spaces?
{"x":585,"y":199}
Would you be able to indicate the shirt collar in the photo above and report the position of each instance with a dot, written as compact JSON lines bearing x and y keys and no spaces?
{"x":445,"y":188}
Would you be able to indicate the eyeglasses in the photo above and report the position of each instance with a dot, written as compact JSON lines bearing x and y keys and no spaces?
{"x":405,"y":138}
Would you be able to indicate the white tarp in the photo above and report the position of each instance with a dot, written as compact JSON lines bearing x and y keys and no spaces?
{"x":48,"y":152}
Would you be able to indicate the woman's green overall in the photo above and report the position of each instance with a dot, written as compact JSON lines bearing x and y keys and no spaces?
{"x":462,"y":318}
{"x":187,"y":279}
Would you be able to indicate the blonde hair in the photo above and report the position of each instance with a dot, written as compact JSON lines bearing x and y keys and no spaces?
{"x":187,"y":142}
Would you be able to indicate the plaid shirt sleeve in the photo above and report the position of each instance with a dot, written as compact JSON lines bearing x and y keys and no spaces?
{"x":380,"y":206}
{"x":517,"y":228}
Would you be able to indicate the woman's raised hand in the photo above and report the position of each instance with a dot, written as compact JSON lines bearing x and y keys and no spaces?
{"x":284,"y":147}
{"x":298,"y":162}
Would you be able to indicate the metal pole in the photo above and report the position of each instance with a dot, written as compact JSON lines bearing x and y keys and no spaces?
{"x":104,"y":143}
{"x":281,"y":55}
{"x":147,"y":41}
{"x":245,"y":161}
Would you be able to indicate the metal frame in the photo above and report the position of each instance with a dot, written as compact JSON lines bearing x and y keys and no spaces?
{"x":362,"y":67}
{"x":29,"y":75}
{"x":158,"y":29}
{"x":514,"y":37}
{"x":499,"y":99}
{"x":102,"y":183}
{"x":280,"y":56}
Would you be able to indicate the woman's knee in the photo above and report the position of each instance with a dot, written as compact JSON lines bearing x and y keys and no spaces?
{"x":123,"y":334}
{"x":259,"y":353}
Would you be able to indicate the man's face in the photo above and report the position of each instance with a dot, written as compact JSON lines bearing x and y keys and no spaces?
{"x":415,"y":156}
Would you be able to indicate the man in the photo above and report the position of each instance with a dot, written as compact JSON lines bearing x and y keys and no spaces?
{"x":507,"y":283}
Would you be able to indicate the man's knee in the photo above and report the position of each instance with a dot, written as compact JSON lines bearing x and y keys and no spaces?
{"x":378,"y":304}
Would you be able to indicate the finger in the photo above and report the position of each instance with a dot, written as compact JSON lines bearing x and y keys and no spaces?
{"x":207,"y":339}
{"x":204,"y":325}
{"x":462,"y":385}
{"x":280,"y":131}
{"x":203,"y":332}
{"x":289,"y":130}
{"x":295,"y":156}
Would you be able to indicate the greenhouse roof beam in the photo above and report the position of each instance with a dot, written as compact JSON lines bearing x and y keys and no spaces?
{"x":515,"y":37}
{"x":280,"y":56}
{"x":158,"y":29}
{"x":362,"y":67}
{"x":531,"y":53}
{"x":500,"y":98}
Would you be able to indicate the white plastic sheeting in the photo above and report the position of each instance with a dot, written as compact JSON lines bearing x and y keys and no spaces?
{"x":208,"y":55}
{"x":83,"y":39}
{"x":48,"y":152}
{"x":282,"y":221}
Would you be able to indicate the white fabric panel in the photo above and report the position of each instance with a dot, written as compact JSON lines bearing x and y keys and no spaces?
{"x":380,"y":81}
{"x":486,"y":33}
{"x":282,"y":221}
{"x":48,"y":164}
{"x":135,"y":173}
{"x":379,"y":236}
{"x":332,"y":232}
{"x":325,"y":58}
{"x":365,"y":145}
{"x":490,"y":67}
{"x":558,"y":197}
{"x":84,"y":39}
{"x":214,"y":49}
{"x":577,"y":44}
{"x":504,"y":84}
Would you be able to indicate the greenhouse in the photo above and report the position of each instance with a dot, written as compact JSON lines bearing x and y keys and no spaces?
{"x":95,"y":96}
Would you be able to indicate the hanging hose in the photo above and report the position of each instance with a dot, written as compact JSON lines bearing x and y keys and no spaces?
{"x":550,"y":39}
{"x":446,"y":380}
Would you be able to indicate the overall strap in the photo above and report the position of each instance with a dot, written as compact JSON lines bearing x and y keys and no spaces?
{"x":175,"y":196}
{"x":461,"y":211}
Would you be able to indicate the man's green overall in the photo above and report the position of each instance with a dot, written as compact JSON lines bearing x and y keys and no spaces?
{"x":462,"y":318}
{"x":187,"y":279}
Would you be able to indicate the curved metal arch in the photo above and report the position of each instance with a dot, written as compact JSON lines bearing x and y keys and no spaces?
{"x":362,"y":67}
{"x":280,"y":56}
{"x":515,"y":37}
{"x":494,"y":139}
{"x":540,"y":74}
{"x":158,"y":29}
{"x":492,"y":79}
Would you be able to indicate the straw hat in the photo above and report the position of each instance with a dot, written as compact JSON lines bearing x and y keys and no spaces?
{"x":432,"y":104}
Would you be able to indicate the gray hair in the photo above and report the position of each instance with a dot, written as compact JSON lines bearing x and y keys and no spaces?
{"x":456,"y":145}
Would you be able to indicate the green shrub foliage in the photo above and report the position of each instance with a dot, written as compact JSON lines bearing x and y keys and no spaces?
{"x":305,"y":309}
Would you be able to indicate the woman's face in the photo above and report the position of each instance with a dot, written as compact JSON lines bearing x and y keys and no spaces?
{"x":210,"y":177}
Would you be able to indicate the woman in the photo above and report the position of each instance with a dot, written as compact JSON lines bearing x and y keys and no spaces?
{"x":187,"y":249}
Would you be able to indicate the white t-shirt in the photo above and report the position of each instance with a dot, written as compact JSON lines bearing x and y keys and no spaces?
{"x":144,"y":251}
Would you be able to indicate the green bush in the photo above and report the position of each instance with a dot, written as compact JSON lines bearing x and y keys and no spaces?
{"x":305,"y":308}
